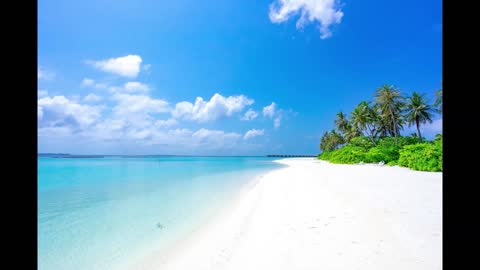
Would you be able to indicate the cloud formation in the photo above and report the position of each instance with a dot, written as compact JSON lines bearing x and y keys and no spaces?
{"x":88,"y":82}
{"x":165,"y":123}
{"x":269,"y":111}
{"x":136,"y":87}
{"x":128,"y":104}
{"x":92,"y":98}
{"x":249,"y":115}
{"x":126,"y":66}
{"x":277,"y":121}
{"x":325,"y":12}
{"x":204,"y":111}
{"x":59,"y":111}
{"x":253,"y":133}
{"x":126,"y":114}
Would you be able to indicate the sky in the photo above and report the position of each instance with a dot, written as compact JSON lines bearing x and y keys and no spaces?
{"x":184,"y":77}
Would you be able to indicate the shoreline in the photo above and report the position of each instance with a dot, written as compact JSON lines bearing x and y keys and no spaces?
{"x":159,"y":257}
{"x":313,"y":214}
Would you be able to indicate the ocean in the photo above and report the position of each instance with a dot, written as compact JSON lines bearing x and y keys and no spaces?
{"x":110,"y":212}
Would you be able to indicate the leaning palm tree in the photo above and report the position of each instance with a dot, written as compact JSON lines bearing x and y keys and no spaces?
{"x":418,"y":111}
{"x":390,"y":103}
{"x":341,"y":122}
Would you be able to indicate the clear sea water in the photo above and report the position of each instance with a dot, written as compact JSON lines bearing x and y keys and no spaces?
{"x":103,"y":213}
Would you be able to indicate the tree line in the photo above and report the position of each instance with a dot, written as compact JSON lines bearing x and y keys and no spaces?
{"x":385,"y":117}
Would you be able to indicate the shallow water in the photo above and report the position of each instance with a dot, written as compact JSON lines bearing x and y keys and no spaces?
{"x":107,"y":213}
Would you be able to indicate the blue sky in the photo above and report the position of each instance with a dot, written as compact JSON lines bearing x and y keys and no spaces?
{"x":223,"y":77}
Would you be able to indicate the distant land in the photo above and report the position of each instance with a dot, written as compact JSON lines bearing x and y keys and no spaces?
{"x":66,"y":155}
{"x":62,"y":155}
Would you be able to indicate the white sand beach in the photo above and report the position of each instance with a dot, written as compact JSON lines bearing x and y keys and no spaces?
{"x":316,"y":215}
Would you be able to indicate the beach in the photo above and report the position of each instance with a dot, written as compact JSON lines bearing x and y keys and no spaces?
{"x":315,"y":215}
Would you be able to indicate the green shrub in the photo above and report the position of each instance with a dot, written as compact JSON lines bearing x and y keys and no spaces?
{"x":362,"y":141}
{"x":324,"y":155}
{"x":406,"y":140}
{"x":423,"y":156}
{"x":392,"y":163}
{"x":408,"y":153}
{"x":386,"y":151}
{"x":348,"y":154}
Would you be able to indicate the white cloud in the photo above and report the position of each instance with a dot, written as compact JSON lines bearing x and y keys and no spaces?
{"x":134,"y":120}
{"x":127,"y":66}
{"x":205,"y":111}
{"x":180,"y":132}
{"x":101,"y":86}
{"x":42,"y":93}
{"x":108,"y":129}
{"x":276,"y":122}
{"x":201,"y":139}
{"x":253,"y":133}
{"x":269,"y":110}
{"x":44,"y":74}
{"x":147,"y":67}
{"x":325,"y":12}
{"x":136,"y":134}
{"x":87,"y":82}
{"x":128,"y":87}
{"x":273,"y":112}
{"x":128,"y":103}
{"x":59,"y":111}
{"x":165,"y":123}
{"x":214,"y":138}
{"x":92,"y":98}
{"x":136,"y":87}
{"x":54,"y":132}
{"x":249,"y":115}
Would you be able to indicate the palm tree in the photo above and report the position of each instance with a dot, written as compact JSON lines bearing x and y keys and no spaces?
{"x":363,"y":118}
{"x":351,"y":132}
{"x":324,"y":141}
{"x":336,"y":139}
{"x":330,"y":141}
{"x":382,"y":127}
{"x":418,"y":111}
{"x":341,"y":122}
{"x":390,"y":103}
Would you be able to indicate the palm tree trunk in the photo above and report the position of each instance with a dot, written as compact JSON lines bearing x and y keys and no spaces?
{"x":371,"y":135}
{"x":394,"y":124}
{"x":418,"y":129}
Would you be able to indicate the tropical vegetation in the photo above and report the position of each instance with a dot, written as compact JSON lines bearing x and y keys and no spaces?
{"x":371,"y":134}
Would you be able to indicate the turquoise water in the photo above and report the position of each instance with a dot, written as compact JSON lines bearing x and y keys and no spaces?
{"x":103,"y":213}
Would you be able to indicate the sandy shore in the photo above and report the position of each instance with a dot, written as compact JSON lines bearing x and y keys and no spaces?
{"x":316,"y":215}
